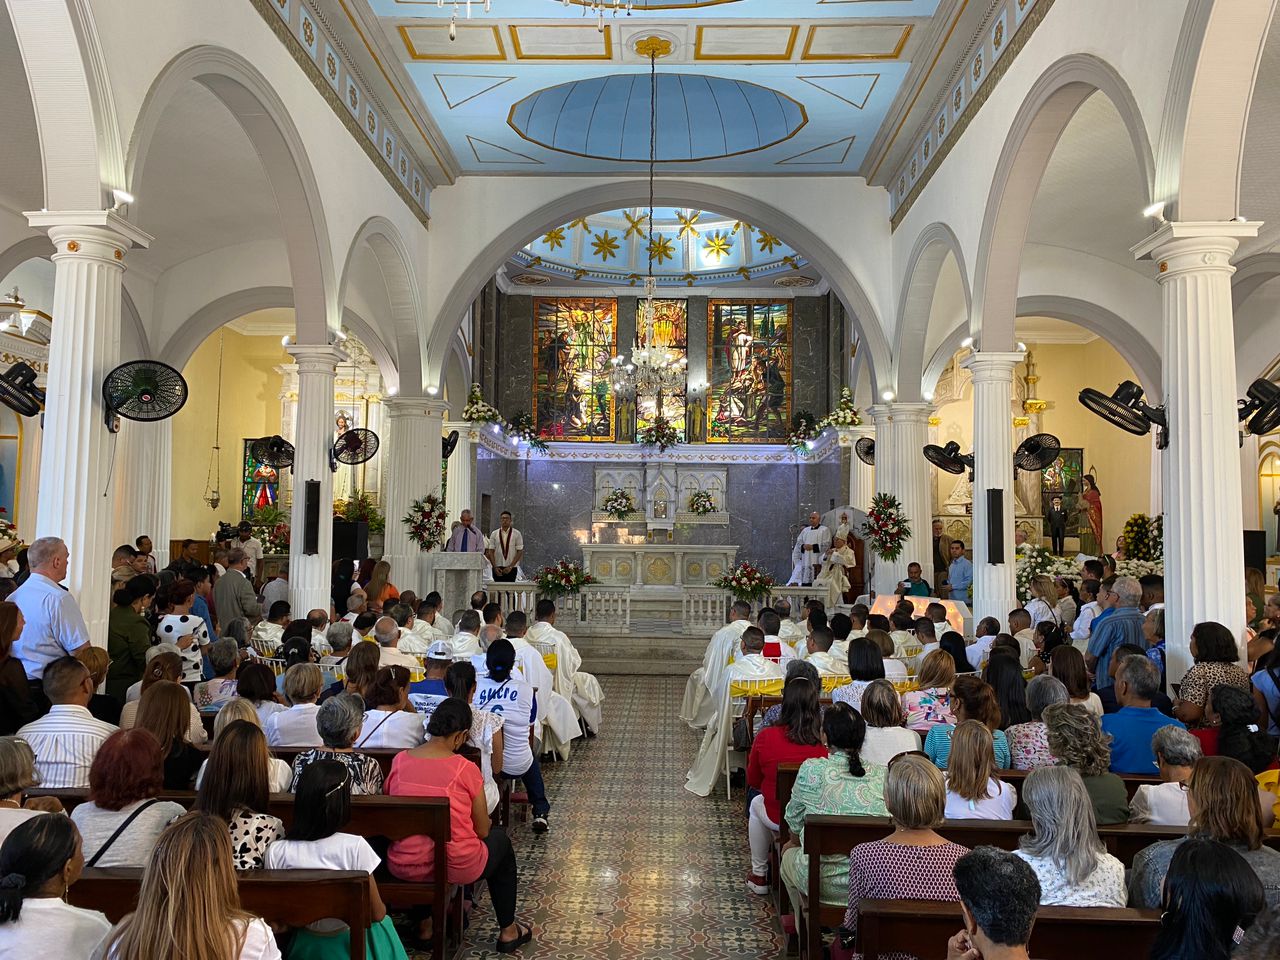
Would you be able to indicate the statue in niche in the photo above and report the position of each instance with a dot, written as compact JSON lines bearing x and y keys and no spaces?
{"x":626,"y":407}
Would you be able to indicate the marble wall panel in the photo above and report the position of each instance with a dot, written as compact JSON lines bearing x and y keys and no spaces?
{"x":514,"y":388}
{"x":809,"y":340}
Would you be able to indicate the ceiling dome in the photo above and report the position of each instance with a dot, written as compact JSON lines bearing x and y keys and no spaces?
{"x":699,"y":117}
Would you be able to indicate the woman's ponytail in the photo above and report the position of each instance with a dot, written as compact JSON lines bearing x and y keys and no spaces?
{"x":33,"y":854}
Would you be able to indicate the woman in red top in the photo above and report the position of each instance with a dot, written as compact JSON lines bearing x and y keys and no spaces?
{"x":796,"y":737}
{"x":477,"y":849}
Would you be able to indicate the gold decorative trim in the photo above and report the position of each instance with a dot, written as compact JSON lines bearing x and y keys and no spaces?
{"x":403,"y":30}
{"x":472,"y":141}
{"x":805,"y":55}
{"x":656,"y":47}
{"x":465,"y":76}
{"x":848,"y":145}
{"x":976,"y":101}
{"x":519,"y":53}
{"x":698,"y":55}
{"x":686,"y":5}
{"x":875,"y":78}
{"x":1020,"y":422}
{"x":935,"y":421}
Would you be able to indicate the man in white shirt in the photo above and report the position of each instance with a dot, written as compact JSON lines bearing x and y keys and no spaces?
{"x":429,"y":612}
{"x":276,"y":589}
{"x":67,"y":738}
{"x":53,"y":625}
{"x":819,"y":653}
{"x":506,"y":549}
{"x":412,"y":640}
{"x":985,"y":632}
{"x":811,"y":546}
{"x":1020,"y":627}
{"x":357,"y":603}
{"x":318,"y":620}
{"x":466,"y":642}
{"x":387,"y":635}
{"x":581,"y":689}
{"x":252,"y":548}
{"x":698,"y":707}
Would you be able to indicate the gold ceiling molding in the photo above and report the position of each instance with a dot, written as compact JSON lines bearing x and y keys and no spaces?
{"x":808,"y":53}
{"x":848,"y":145}
{"x":702,"y":33}
{"x":498,"y":81}
{"x":812,"y":80}
{"x":475,"y":33}
{"x":563,"y":30}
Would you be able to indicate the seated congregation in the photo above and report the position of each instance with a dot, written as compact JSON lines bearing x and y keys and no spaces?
{"x":219,"y":760}
{"x":888,"y":762}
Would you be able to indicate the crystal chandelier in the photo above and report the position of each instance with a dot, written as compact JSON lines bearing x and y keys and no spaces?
{"x":652,"y":370}
{"x":598,"y":7}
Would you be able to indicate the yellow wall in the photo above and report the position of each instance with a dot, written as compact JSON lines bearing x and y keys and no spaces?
{"x":250,"y":408}
{"x":1121,"y":461}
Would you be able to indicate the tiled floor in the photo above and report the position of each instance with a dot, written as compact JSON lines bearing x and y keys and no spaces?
{"x":635,"y":867}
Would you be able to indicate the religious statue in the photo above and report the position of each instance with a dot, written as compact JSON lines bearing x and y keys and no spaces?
{"x":1092,"y":510}
{"x":344,"y":477}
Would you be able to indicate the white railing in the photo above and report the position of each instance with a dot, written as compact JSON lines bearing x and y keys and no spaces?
{"x":702,"y":609}
{"x":514,"y":596}
{"x":797,"y":596}
{"x":606,"y":609}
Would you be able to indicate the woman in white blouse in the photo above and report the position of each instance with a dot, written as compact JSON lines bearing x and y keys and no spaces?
{"x":887,"y":735}
{"x":387,"y":723}
{"x":1063,"y":847}
{"x":974,"y":791}
{"x":1044,"y":601}
{"x":296,"y":727}
{"x":279,"y":773}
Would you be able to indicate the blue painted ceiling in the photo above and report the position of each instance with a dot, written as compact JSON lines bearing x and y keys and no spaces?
{"x":749,"y":87}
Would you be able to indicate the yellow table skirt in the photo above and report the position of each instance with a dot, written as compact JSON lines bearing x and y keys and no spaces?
{"x":773,"y":688}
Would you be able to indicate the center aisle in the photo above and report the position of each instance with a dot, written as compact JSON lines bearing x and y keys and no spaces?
{"x":635,"y":867}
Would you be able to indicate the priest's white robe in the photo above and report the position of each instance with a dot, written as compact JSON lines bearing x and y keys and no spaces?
{"x":805,"y":562}
{"x":268,"y":635}
{"x":709,"y":764}
{"x":793,"y":632}
{"x":698,"y":707}
{"x":561,"y":723}
{"x":828,"y":665}
{"x":427,"y":632}
{"x":465,"y":645}
{"x":581,"y":689}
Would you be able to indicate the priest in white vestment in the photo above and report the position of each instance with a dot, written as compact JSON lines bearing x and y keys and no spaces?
{"x":267,"y":635}
{"x":581,"y":689}
{"x":698,"y":707}
{"x":557,"y":724}
{"x":819,"y":653}
{"x":466,"y":642}
{"x":751,"y":664}
{"x":791,"y":631}
{"x":806,"y":556}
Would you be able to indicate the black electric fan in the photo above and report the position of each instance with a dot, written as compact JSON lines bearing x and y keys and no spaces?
{"x":18,"y":390}
{"x":1037,"y":452}
{"x":1262,"y":409}
{"x":1127,"y":410}
{"x":949,"y":457}
{"x":356,"y":446}
{"x":143,"y":390}
{"x":865,"y":448}
{"x":274,"y":451}
{"x":450,"y":442}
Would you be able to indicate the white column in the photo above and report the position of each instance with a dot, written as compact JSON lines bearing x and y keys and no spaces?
{"x":310,"y":575}
{"x":460,"y":488}
{"x":994,"y":591}
{"x":413,"y":445}
{"x":862,"y":476}
{"x":29,"y":477}
{"x":144,"y":485}
{"x":1203,"y":556}
{"x":902,"y":430}
{"x":75,"y":465}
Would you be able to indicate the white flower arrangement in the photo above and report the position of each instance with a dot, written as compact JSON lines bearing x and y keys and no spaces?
{"x":701,"y":503}
{"x":1034,"y":560}
{"x":619,"y":503}
{"x":844,"y":415}
{"x":477,"y":411}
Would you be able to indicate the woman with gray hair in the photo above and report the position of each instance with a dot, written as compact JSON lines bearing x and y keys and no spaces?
{"x":1176,"y":752}
{"x":338,"y":722}
{"x":224,"y":661}
{"x":237,"y":630}
{"x":1063,"y":848}
{"x":1029,"y":742}
{"x":1077,"y":740}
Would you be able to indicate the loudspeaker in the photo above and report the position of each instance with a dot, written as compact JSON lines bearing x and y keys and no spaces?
{"x":350,"y":540}
{"x":995,"y":526}
{"x":311,"y":527}
{"x":1255,"y":550}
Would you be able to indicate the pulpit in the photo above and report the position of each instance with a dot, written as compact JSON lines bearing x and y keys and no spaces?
{"x":455,"y":576}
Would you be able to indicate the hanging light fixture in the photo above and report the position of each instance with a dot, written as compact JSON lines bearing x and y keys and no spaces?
{"x":212,"y":492}
{"x":652,"y":369}
{"x":596,"y":7}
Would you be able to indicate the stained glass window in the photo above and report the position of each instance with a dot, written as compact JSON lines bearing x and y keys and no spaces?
{"x":748,"y":371}
{"x":260,"y":484}
{"x":670,"y":329}
{"x":574,"y":340}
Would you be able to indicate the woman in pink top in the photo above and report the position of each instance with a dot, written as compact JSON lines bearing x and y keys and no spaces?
{"x":477,"y":849}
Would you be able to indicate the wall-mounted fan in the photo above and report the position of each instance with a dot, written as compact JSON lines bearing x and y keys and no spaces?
{"x":449,"y":443}
{"x":865,"y":448}
{"x":18,"y":390}
{"x":1037,"y":452}
{"x":274,"y":451}
{"x":1126,"y":409}
{"x":1262,"y":409}
{"x":948,"y":458}
{"x":355,"y":446}
{"x":145,"y":390}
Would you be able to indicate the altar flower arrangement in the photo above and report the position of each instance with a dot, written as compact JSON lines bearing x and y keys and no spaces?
{"x":619,"y":503}
{"x":1143,"y":537}
{"x":522,"y":427}
{"x":844,"y":415}
{"x":8,"y":528}
{"x":701,"y":503}
{"x":1033,"y":560}
{"x":477,"y":411}
{"x":804,"y":429}
{"x":746,"y":582}
{"x":660,"y":433}
{"x":360,"y":508}
{"x":426,"y":520}
{"x":562,"y":578}
{"x":886,"y":529}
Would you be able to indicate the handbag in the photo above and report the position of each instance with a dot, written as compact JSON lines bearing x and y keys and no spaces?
{"x":119,"y":830}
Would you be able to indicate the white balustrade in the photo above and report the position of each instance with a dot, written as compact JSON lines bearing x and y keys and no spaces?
{"x":703,"y":609}
{"x":606,"y":609}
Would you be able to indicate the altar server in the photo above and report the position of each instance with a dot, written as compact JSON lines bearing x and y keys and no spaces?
{"x":506,"y":549}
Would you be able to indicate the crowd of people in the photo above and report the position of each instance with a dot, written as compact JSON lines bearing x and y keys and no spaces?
{"x":900,"y":716}
{"x":466,"y":704}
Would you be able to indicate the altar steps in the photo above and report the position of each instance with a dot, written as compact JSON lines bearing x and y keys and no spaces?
{"x":645,"y":651}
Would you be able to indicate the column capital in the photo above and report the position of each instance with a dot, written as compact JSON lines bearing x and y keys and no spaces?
{"x":891,"y":411}
{"x":415,"y":407}
{"x":1203,"y":244}
{"x":850,"y":435}
{"x":315,"y":357}
{"x":987,"y":365}
{"x":105,"y":226}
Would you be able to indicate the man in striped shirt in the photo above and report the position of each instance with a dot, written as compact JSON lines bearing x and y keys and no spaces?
{"x":67,"y":738}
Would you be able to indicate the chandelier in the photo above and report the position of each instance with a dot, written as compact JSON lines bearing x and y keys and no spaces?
{"x":598,"y":7}
{"x":652,"y":370}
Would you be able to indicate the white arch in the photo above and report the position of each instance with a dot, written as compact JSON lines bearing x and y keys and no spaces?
{"x":916,"y":303}
{"x":1045,"y":112}
{"x":457,"y":377}
{"x":267,"y":123}
{"x":391,"y":254}
{"x":466,"y":287}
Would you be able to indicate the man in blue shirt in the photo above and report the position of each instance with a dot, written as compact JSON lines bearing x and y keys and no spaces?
{"x":960,"y":573}
{"x":1132,"y":726}
{"x":429,"y":692}
{"x":1123,"y":625}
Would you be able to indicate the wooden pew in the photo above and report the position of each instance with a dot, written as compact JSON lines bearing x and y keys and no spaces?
{"x":291,"y":897}
{"x":1131,"y":781}
{"x":922,"y":927}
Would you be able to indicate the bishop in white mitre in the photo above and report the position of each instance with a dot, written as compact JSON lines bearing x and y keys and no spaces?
{"x":698,"y":707}
{"x":581,"y":689}
{"x":811,"y":546}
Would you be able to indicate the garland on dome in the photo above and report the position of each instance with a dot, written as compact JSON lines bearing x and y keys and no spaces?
{"x":886,"y":529}
{"x":426,"y":520}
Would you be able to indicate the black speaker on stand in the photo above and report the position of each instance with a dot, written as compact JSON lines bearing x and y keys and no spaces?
{"x":1255,"y":550}
{"x":311,"y":531}
{"x":995,"y":526}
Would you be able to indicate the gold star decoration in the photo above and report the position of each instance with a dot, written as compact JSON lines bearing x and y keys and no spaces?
{"x":635,"y":225}
{"x":718,"y":246}
{"x":744,"y":227}
{"x":580,"y":222}
{"x":554,"y":238}
{"x":605,"y":245}
{"x":687,"y":227}
{"x":767,"y":241}
{"x":579,"y":273}
{"x":744,"y":273}
{"x":791,"y":262}
{"x":660,"y":248}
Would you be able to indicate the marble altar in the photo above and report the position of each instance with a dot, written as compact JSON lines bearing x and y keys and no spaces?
{"x":657,"y":564}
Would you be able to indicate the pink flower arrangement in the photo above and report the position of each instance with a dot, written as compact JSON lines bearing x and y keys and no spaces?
{"x":746,"y":582}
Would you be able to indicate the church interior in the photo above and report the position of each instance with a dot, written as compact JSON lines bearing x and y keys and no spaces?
{"x":736,"y":385}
